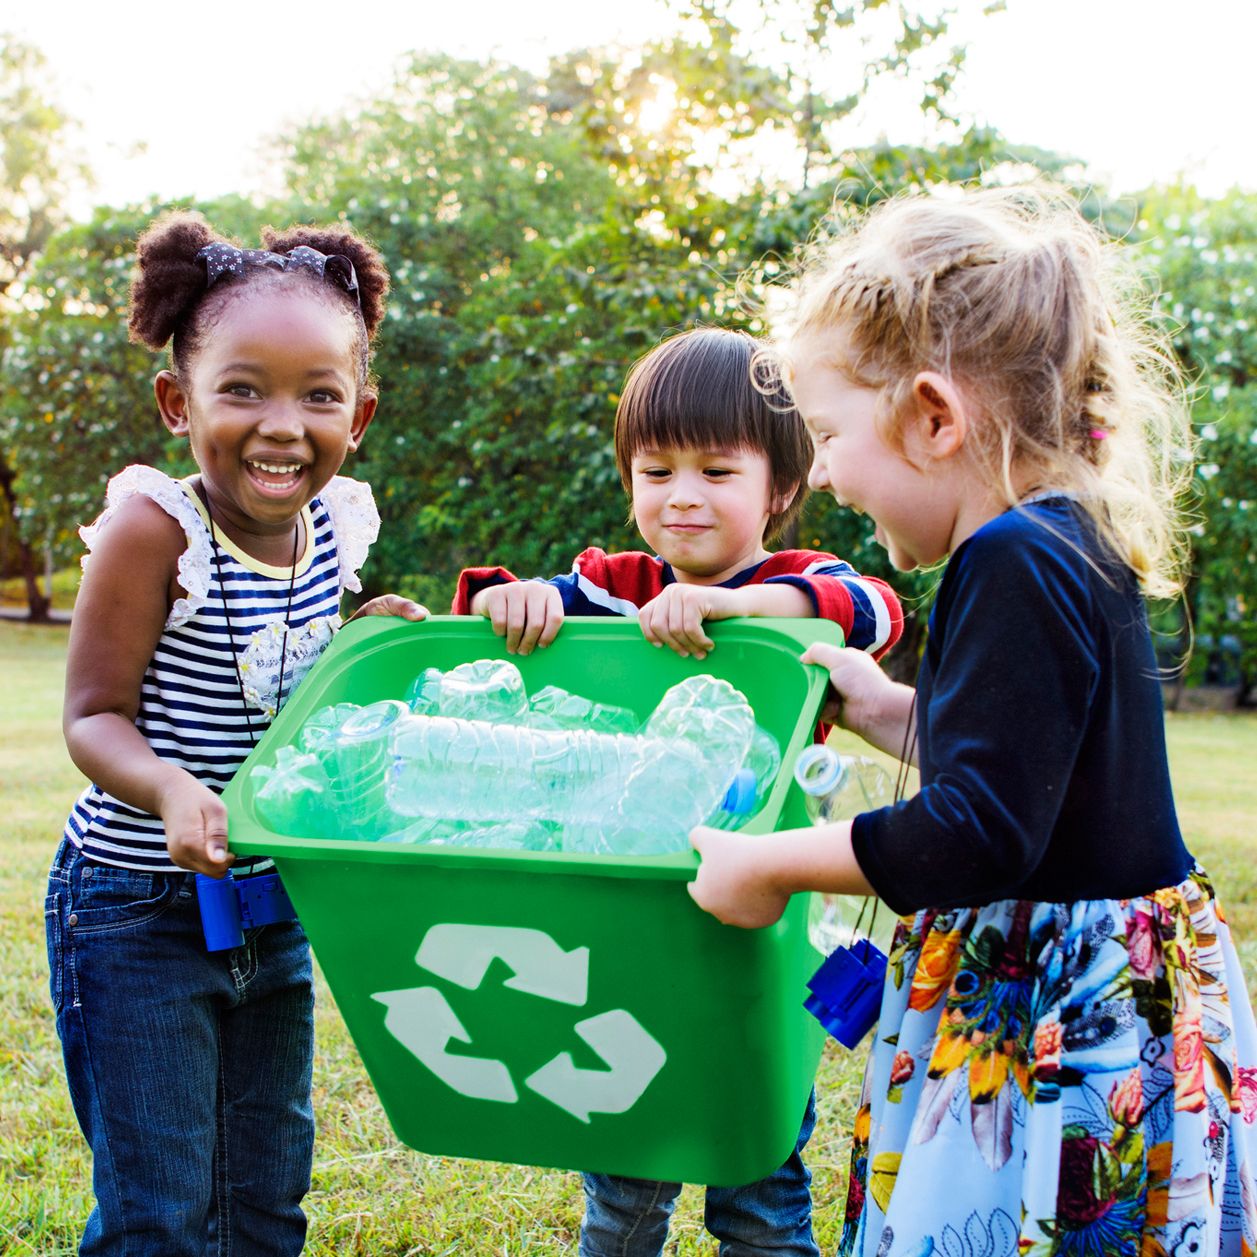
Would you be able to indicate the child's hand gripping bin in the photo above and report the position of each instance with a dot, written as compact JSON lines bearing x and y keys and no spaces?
{"x":229,"y":907}
{"x":562,"y":1008}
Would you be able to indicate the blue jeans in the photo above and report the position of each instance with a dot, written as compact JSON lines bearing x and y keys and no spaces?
{"x":628,"y":1217}
{"x":189,"y":1071}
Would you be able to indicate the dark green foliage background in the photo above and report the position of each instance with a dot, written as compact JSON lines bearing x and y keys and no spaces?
{"x":541,"y":238}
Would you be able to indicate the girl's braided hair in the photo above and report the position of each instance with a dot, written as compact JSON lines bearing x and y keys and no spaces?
{"x":1044,"y":324}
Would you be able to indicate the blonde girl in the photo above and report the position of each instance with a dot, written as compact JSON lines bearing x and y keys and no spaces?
{"x":1066,"y":1060}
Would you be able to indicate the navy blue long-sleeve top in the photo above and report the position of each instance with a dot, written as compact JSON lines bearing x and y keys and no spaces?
{"x":1041,"y":736}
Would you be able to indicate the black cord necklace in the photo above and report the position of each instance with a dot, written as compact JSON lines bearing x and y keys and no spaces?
{"x":231,"y":632}
{"x":901,"y":786}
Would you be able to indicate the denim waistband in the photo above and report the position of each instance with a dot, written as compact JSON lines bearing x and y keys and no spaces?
{"x":68,"y":852}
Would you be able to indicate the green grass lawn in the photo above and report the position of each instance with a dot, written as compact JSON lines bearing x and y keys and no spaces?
{"x":370,"y":1194}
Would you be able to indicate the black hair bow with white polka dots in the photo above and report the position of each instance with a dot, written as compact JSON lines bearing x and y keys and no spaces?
{"x":221,"y":259}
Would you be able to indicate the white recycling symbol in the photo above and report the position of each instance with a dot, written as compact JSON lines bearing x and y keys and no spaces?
{"x":421,"y":1019}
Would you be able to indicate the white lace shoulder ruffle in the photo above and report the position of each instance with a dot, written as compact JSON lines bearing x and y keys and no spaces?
{"x":356,"y":523}
{"x":168,"y":493}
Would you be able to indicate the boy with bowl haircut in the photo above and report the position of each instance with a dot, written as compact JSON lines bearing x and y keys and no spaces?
{"x":715,"y":469}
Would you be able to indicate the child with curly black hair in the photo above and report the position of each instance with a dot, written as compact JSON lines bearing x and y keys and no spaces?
{"x":204,"y":603}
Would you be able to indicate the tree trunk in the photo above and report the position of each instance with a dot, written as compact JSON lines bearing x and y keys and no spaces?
{"x":38,"y":604}
{"x":809,"y":129}
{"x":1246,"y":695}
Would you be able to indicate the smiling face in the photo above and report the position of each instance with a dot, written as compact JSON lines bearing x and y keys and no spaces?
{"x":704,"y":511}
{"x":271,"y":406}
{"x":909,"y":494}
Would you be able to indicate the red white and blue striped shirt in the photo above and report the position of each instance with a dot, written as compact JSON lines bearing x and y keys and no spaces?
{"x":865,"y":608}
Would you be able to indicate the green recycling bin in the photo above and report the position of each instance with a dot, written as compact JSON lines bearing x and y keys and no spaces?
{"x":561,"y":1009}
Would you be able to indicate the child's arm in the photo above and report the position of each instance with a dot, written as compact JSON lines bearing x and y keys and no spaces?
{"x":799,"y":583}
{"x":675,"y":618}
{"x":864,"y":607}
{"x":119,"y":615}
{"x":747,"y":879}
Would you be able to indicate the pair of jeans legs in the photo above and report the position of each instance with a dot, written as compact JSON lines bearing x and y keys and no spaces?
{"x":628,"y":1217}
{"x":189,"y":1071}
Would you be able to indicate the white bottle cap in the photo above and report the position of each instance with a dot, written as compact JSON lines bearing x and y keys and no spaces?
{"x":819,"y":770}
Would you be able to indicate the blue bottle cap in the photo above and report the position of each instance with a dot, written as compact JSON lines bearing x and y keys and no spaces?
{"x":740,"y":796}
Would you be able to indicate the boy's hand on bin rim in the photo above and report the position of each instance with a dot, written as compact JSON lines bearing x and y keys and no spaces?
{"x":392,"y":604}
{"x":196,"y":826}
{"x":528,"y":613}
{"x":733,"y":881}
{"x":675,"y":618}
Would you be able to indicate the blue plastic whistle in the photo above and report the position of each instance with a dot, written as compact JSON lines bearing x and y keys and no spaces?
{"x":847,"y":991}
{"x":229,"y":907}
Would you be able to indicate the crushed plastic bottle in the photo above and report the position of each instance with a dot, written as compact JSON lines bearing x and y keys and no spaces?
{"x":560,"y":772}
{"x":707,"y":712}
{"x":323,"y":723}
{"x":763,"y":761}
{"x":355,"y":757}
{"x":331,"y":791}
{"x":555,"y":708}
{"x":484,"y":689}
{"x":839,"y":787}
{"x":294,"y":796}
{"x":611,"y":792}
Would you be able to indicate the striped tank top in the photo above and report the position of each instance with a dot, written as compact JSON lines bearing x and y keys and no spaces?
{"x":192,"y":711}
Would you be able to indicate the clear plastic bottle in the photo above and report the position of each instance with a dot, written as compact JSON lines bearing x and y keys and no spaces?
{"x":484,"y":689}
{"x":763,"y":762}
{"x":356,"y":758}
{"x":611,"y":792}
{"x":321,"y":788}
{"x":336,"y":786}
{"x":293,"y":796}
{"x":838,"y":787}
{"x":555,"y":708}
{"x":323,"y":723}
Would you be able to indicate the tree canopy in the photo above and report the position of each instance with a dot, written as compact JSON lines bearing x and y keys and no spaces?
{"x":545,"y":230}
{"x":1204,"y":254}
{"x":36,"y":168}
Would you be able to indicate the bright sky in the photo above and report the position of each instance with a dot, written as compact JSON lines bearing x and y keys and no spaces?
{"x":177,"y":99}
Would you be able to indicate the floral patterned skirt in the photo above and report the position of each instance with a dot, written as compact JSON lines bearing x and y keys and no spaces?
{"x":1049,"y":1078}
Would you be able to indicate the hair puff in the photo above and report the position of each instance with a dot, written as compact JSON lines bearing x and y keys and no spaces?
{"x":373,"y":281}
{"x":168,"y":279}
